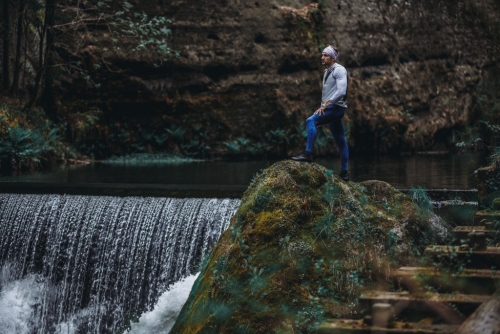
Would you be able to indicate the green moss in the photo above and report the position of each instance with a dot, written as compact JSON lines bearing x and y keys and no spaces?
{"x":301,"y":248}
{"x":496,"y":204}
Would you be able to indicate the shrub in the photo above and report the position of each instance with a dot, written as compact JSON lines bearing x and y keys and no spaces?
{"x":25,"y":142}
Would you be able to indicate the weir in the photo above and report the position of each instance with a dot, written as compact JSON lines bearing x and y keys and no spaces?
{"x":96,"y":262}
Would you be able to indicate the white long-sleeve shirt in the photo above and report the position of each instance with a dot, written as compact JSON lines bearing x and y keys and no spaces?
{"x":335,"y":82}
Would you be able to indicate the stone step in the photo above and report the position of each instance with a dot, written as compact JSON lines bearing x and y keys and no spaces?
{"x":488,"y":218}
{"x":469,"y":257}
{"x":467,"y":281}
{"x":396,"y":327}
{"x":461,"y":233}
{"x":424,"y":303}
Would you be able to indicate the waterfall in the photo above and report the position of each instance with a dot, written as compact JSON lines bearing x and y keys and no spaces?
{"x":89,"y":264}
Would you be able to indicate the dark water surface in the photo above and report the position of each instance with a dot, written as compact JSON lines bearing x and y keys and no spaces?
{"x":432,"y":171}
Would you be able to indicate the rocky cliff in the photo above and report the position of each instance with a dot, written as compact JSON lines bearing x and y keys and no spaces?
{"x":249,"y":72}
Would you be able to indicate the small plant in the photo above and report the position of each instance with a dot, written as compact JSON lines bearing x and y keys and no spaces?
{"x":419,"y":196}
{"x":81,"y":122}
{"x":245,"y":145}
{"x":279,"y":138}
{"x":496,"y":154}
{"x":232,"y":146}
{"x":195,"y":148}
{"x":177,"y":132}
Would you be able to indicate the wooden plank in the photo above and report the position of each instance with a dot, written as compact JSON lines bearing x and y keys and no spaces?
{"x":477,"y":259}
{"x":391,"y":297}
{"x":425,"y":303}
{"x":461,"y":232}
{"x":469,"y":281}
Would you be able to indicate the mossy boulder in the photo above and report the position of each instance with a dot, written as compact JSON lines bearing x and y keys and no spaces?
{"x":302,"y":246}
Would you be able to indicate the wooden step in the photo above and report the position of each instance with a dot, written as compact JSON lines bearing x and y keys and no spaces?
{"x":488,"y":258}
{"x":423,"y":302}
{"x":468,"y":281}
{"x":359,"y":327}
{"x":488,"y":218}
{"x":461,"y":232}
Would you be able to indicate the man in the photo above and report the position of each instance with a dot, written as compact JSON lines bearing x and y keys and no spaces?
{"x":333,"y":108}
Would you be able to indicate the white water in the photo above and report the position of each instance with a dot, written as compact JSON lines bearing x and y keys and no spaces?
{"x":162,"y":318}
{"x":20,"y":298}
{"x":89,"y":264}
{"x":17,"y":301}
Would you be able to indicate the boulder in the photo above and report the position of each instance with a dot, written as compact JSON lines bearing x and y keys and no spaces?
{"x":301,"y":248}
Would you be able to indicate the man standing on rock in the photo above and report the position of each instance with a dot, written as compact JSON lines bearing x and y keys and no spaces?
{"x":333,"y":108}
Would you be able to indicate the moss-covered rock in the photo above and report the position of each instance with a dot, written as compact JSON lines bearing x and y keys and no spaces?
{"x":302,"y":246}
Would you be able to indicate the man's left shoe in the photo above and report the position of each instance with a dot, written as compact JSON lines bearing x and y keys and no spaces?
{"x":344,"y":175}
{"x":306,"y":157}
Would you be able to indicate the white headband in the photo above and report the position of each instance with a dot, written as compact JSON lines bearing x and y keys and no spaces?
{"x":329,"y":50}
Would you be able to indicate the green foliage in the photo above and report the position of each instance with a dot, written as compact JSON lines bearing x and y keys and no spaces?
{"x":166,"y":145}
{"x":278,"y":141}
{"x":301,"y":130}
{"x":277,"y":136}
{"x":194,"y":148}
{"x":484,"y":134}
{"x":495,"y":155}
{"x":177,"y":133}
{"x":149,"y":33}
{"x":23,"y":144}
{"x":81,"y":123}
{"x":218,"y":272}
{"x":419,"y":196}
{"x":245,"y":145}
{"x":146,"y":158}
{"x":238,"y":145}
{"x":26,"y":142}
{"x":323,"y":140}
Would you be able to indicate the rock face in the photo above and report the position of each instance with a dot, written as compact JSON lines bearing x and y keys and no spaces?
{"x":301,"y":248}
{"x":247,"y":68}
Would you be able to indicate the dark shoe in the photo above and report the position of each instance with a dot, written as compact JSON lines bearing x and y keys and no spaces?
{"x":344,"y":175}
{"x":306,"y":157}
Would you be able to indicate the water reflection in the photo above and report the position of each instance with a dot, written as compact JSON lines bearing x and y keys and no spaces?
{"x":452,"y":171}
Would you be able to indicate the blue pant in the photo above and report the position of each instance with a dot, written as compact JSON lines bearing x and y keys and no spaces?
{"x":333,"y":117}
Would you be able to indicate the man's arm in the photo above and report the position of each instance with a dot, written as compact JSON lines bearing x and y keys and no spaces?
{"x":340,"y":75}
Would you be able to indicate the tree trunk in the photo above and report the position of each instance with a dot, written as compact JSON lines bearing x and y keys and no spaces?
{"x":6,"y":44}
{"x":17,"y":65}
{"x":42,"y":53}
{"x":48,"y":98}
{"x":39,"y":73}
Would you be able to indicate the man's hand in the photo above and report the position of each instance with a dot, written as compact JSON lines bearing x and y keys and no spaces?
{"x":320,"y":111}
